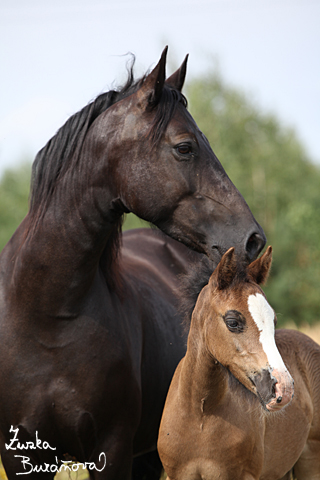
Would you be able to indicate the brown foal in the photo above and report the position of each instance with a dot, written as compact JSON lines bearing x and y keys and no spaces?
{"x":232,"y":411}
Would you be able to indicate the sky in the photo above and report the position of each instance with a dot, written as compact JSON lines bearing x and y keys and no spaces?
{"x":56,"y":56}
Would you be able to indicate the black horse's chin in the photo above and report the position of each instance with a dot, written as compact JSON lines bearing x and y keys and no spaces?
{"x":215,"y":253}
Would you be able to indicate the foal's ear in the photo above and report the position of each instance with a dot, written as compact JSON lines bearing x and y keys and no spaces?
{"x":259,"y":270}
{"x":177,"y":79}
{"x":151,"y":89}
{"x":226,"y":270}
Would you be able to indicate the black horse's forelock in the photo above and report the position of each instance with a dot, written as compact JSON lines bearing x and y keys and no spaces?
{"x":165,"y":109}
{"x":62,"y":152}
{"x":190,"y":286}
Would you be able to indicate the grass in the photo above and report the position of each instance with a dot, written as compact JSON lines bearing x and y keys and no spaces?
{"x":81,"y":474}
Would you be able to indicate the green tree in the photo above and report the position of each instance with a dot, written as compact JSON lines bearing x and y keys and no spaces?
{"x":14,"y":193}
{"x":270,"y":167}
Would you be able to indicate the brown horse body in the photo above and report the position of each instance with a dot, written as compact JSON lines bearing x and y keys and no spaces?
{"x":223,"y":418}
{"x":90,"y":334}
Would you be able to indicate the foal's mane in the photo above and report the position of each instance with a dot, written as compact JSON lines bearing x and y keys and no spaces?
{"x":196,"y":279}
{"x":62,"y":154}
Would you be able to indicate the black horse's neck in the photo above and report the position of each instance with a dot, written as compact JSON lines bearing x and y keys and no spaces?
{"x":59,"y":257}
{"x":65,"y":234}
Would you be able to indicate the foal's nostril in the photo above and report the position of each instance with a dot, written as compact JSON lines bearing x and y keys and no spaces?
{"x":274,"y":382}
{"x":255,"y":244}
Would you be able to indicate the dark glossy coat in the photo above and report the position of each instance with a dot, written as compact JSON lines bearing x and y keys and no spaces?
{"x":90,"y":334}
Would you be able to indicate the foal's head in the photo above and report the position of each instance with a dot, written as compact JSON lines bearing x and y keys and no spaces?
{"x":239,"y":328}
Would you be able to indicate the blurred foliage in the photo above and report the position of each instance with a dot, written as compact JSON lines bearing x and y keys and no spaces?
{"x":131,"y":221}
{"x":269,"y":166}
{"x":14,"y":193}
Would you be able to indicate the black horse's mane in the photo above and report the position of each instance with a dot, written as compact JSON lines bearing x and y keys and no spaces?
{"x":190,"y":287}
{"x":62,"y":154}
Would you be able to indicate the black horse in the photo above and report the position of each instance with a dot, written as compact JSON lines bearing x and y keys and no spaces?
{"x":90,"y":335}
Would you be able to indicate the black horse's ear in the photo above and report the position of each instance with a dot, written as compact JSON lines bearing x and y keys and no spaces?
{"x":177,"y":79}
{"x":226,"y":270}
{"x":259,"y":270}
{"x":151,"y":89}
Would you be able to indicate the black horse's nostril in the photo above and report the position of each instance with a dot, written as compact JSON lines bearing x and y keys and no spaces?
{"x":255,"y":244}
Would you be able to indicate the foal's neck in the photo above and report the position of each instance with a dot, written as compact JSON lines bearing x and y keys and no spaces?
{"x":203,"y":379}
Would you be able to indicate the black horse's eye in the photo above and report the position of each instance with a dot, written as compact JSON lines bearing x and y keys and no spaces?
{"x":235,"y":322}
{"x":184,"y":149}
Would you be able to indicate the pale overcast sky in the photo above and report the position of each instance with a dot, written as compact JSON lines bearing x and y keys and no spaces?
{"x":57,"y":56}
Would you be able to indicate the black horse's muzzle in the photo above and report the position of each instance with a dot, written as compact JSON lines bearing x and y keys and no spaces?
{"x":255,"y":244}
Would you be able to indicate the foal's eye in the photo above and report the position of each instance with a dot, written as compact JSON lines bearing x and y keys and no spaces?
{"x":184,"y":149}
{"x":235,"y":321}
{"x":232,"y":324}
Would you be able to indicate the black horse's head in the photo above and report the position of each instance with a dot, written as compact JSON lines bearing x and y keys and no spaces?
{"x":164,"y":170}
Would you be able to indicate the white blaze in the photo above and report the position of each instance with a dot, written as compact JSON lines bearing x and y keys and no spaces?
{"x":263,"y":316}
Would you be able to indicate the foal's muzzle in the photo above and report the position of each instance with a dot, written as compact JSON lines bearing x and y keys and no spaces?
{"x":275,"y":389}
{"x":283,"y":391}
